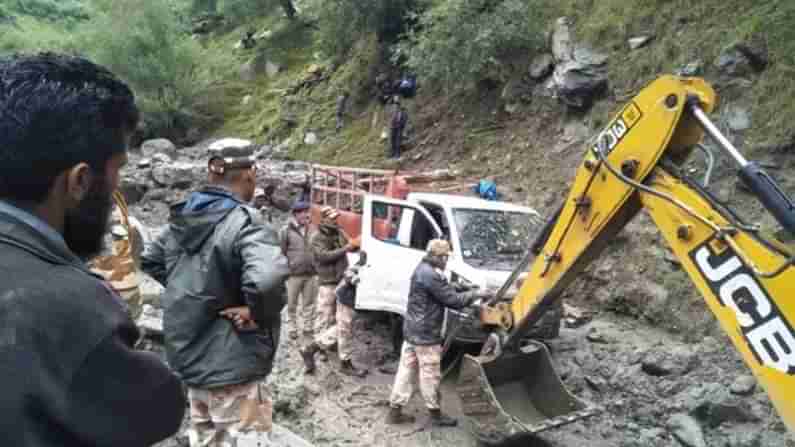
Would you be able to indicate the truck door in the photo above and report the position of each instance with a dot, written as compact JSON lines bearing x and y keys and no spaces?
{"x":395,"y":234}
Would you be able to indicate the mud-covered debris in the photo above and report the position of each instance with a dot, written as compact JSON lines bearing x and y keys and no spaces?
{"x":743,"y":385}
{"x":686,"y":430}
{"x":596,"y":337}
{"x":718,"y":406}
{"x":574,"y":316}
{"x":595,"y":383}
{"x":661,"y":363}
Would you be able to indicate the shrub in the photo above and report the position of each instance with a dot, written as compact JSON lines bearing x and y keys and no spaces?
{"x":143,"y":42}
{"x":344,"y":22}
{"x":459,"y":40}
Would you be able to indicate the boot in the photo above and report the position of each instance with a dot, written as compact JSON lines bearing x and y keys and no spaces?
{"x":396,"y":416}
{"x":439,"y":419}
{"x":308,"y":355}
{"x":347,"y":368}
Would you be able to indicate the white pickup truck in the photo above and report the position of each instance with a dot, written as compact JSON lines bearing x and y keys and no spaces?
{"x":488,"y":240}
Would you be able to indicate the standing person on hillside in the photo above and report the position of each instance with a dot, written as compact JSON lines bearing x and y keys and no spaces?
{"x":429,"y":295}
{"x":70,"y":374}
{"x":342,"y":104}
{"x":330,"y":249}
{"x":224,"y":275}
{"x":398,"y":124}
{"x":294,"y":242}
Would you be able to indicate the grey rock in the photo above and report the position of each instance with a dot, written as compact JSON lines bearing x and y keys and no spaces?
{"x":253,"y":68}
{"x":733,"y":62}
{"x":743,"y":58}
{"x":133,"y":188}
{"x":743,"y":385}
{"x":742,"y":437}
{"x":737,"y":118}
{"x":577,"y":84}
{"x":694,"y":68}
{"x":639,"y":41}
{"x":651,"y":435}
{"x":663,"y":363}
{"x":158,"y":146}
{"x":714,"y":404}
{"x":686,"y":430}
{"x":272,"y":68}
{"x":310,"y":138}
{"x":589,"y":57}
{"x":541,"y":66}
{"x":178,"y":175}
{"x":160,"y":159}
{"x":562,"y":43}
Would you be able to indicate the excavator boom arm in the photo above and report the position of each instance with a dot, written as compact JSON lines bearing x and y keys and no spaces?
{"x":745,"y":279}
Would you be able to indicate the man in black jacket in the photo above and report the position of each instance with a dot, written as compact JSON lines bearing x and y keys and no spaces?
{"x":70,"y":375}
{"x":224,"y":275}
{"x":429,"y":295}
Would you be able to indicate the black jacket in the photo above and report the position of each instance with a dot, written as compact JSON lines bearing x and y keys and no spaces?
{"x":70,"y":375}
{"x":429,"y":294}
{"x":217,"y":253}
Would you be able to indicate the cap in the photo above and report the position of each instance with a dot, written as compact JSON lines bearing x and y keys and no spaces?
{"x":231,"y":157}
{"x":329,"y":213}
{"x":299,"y":206}
{"x":439,"y":247}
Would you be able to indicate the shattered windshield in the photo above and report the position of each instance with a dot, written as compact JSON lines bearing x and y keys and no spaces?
{"x":491,"y":238}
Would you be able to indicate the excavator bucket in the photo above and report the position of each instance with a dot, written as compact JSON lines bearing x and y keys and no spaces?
{"x":515,"y":395}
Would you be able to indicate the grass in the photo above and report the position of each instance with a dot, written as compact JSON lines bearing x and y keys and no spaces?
{"x":689,"y":31}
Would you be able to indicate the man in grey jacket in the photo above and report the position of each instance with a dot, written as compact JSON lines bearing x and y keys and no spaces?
{"x":224,"y":275}
{"x":294,"y":242}
{"x":429,"y":295}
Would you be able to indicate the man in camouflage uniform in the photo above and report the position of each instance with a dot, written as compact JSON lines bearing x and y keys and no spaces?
{"x":330,"y":249}
{"x":224,"y":275}
{"x":429,"y":295}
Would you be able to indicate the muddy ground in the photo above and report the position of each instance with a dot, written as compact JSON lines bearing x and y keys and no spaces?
{"x":656,"y":390}
{"x":681,"y":386}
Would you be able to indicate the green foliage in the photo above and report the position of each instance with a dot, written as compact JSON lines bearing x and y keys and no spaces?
{"x":459,"y":40}
{"x":142,"y":42}
{"x":344,"y":22}
{"x":52,"y":10}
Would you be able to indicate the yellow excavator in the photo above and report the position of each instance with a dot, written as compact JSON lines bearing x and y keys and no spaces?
{"x":746,"y":277}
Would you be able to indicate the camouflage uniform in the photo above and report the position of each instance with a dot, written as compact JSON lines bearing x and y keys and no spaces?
{"x":119,"y":268}
{"x":341,"y":333}
{"x":230,"y":416}
{"x":426,"y":359}
{"x":325,"y":314}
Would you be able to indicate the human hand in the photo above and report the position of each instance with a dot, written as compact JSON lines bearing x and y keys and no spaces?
{"x":240,"y":316}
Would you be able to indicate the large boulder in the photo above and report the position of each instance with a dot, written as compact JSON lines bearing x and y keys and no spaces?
{"x":580,"y":74}
{"x":686,"y":430}
{"x":743,"y":59}
{"x":158,"y":146}
{"x":179,"y":175}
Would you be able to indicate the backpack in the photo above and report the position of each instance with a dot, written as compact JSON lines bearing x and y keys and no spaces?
{"x":408,"y":87}
{"x":487,"y":190}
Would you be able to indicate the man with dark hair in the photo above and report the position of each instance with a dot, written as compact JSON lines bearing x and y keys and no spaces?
{"x":224,"y":275}
{"x":294,"y":242}
{"x":70,"y":374}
